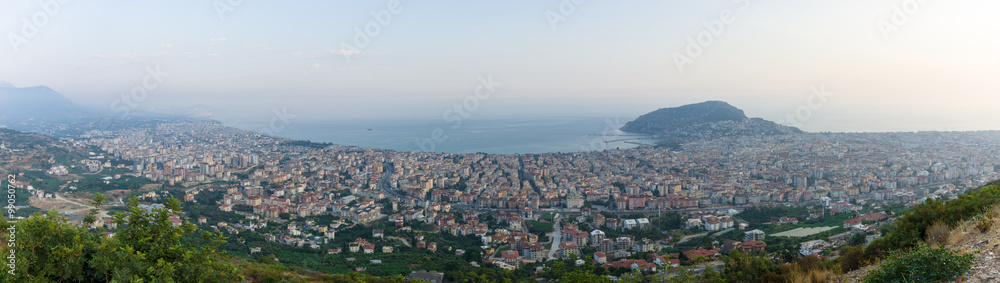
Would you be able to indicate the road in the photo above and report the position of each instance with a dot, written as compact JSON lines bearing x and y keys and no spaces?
{"x":723,"y":232}
{"x":556,"y":237}
{"x":405,"y":241}
{"x":383,"y":183}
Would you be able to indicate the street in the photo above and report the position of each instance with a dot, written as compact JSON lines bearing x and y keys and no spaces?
{"x":556,"y":237}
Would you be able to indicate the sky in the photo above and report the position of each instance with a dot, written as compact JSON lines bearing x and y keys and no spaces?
{"x":852,"y":65}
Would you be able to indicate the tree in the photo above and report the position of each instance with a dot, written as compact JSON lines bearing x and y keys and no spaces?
{"x":97,"y":201}
{"x":583,"y":276}
{"x":741,"y":267}
{"x":146,"y":248}
{"x":857,"y":239}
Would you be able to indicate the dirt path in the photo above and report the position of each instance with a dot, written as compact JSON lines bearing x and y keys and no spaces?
{"x":65,"y":205}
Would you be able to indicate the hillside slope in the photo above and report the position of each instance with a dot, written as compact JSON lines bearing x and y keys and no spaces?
{"x":937,"y":235}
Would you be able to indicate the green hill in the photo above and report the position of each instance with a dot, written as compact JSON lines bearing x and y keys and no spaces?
{"x":706,"y":120}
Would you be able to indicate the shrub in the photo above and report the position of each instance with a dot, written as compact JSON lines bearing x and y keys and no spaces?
{"x":985,"y":222}
{"x":146,"y":248}
{"x":922,"y":264}
{"x":938,"y":233}
{"x":852,"y":259}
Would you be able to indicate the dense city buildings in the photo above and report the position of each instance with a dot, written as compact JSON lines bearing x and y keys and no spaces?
{"x":501,"y":198}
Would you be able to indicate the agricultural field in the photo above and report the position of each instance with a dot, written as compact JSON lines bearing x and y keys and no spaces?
{"x":803,"y":232}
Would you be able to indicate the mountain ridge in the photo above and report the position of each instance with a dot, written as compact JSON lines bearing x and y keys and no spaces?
{"x":38,"y":103}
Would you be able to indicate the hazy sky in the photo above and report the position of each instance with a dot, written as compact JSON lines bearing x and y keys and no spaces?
{"x":884,"y":65}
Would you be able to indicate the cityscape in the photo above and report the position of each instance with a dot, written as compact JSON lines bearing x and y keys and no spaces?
{"x":517,"y":141}
{"x":603,"y":207}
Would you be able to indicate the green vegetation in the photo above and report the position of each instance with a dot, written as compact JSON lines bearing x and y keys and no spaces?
{"x":41,"y":181}
{"x":922,"y":264}
{"x":760,"y":215}
{"x":851,"y":259}
{"x":670,"y":143}
{"x":567,"y":271}
{"x":547,"y":217}
{"x":146,"y":248}
{"x":307,"y":143}
{"x":206,"y":205}
{"x":742,"y":267}
{"x":912,"y":227}
{"x":96,"y":184}
{"x":538,"y":227}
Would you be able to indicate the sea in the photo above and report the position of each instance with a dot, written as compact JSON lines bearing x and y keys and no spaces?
{"x":487,"y":135}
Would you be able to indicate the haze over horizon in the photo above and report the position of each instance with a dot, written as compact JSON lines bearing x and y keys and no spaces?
{"x":934,"y":69}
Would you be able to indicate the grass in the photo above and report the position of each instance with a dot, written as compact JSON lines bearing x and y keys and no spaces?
{"x":811,"y":276}
{"x":538,"y":227}
{"x":547,"y":217}
{"x":938,"y":233}
{"x":985,"y":222}
{"x":804,"y":232}
{"x":970,"y":231}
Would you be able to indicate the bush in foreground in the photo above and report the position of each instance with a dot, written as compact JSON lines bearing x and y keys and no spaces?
{"x":922,"y":264}
{"x":146,"y":248}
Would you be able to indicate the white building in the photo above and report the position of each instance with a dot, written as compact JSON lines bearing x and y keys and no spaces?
{"x":629,"y":224}
{"x":813,"y":247}
{"x":642,"y":222}
{"x":693,"y":222}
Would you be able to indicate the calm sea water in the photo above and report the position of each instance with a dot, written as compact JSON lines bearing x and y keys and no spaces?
{"x":490,"y":135}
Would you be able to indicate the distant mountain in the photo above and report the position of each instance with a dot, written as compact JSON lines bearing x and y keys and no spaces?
{"x":706,"y":120}
{"x":37,"y":103}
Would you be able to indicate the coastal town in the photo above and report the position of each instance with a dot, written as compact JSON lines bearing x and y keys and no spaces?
{"x":644,"y":208}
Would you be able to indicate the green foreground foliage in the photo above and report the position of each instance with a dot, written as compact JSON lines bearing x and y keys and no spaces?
{"x":922,"y":264}
{"x":911,"y":228}
{"x":147,"y":248}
